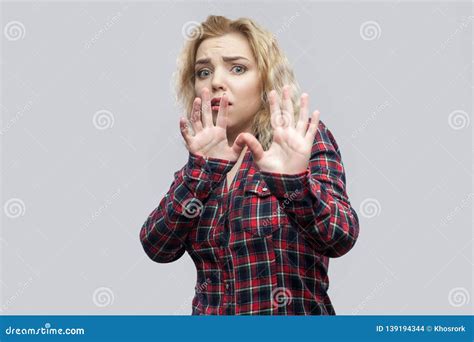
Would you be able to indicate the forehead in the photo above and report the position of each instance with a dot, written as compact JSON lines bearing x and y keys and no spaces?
{"x":230,"y":44}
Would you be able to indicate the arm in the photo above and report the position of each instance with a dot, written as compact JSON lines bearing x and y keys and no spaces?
{"x":166,"y":228}
{"x":316,"y":200}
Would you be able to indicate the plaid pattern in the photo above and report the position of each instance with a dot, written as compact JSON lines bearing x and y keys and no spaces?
{"x":262,"y":247}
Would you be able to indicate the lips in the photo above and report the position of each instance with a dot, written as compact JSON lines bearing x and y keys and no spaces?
{"x":216,"y":101}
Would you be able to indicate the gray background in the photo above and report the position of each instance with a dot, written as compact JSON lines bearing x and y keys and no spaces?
{"x":76,"y":191}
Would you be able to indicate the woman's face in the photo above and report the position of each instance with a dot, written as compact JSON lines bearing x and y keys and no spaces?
{"x":218,"y":70}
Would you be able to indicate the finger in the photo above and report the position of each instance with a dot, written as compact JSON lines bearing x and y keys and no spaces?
{"x":287,"y":111}
{"x":206,"y":108}
{"x":223,"y":112}
{"x":302,"y":123}
{"x":238,"y":145}
{"x":184,"y":129}
{"x":275,"y":112}
{"x":253,"y":144}
{"x":196,"y":115}
{"x":313,"y":127}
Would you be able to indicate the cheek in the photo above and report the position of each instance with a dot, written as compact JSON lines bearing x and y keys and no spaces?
{"x":252,"y":102}
{"x":248,"y":87}
{"x":250,"y":95}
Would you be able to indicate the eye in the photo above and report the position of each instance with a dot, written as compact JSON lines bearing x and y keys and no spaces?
{"x":199,"y":73}
{"x":240,"y":70}
{"x":241,"y":67}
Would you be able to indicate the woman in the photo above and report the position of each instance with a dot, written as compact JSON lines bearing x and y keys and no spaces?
{"x":261,"y":204}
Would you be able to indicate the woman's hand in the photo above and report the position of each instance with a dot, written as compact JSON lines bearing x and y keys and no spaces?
{"x":291,"y":147}
{"x":209,"y":140}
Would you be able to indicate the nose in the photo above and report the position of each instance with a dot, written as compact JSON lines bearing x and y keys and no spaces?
{"x":218,"y":81}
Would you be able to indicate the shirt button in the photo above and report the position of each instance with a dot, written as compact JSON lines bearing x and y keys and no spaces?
{"x":227,"y":286}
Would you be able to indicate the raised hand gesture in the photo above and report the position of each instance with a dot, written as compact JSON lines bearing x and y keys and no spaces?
{"x":290,"y":150}
{"x":209,"y":140}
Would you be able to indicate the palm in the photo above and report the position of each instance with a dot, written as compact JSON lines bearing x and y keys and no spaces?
{"x":209,"y":140}
{"x":290,"y":150}
{"x":289,"y":153}
{"x":212,"y":142}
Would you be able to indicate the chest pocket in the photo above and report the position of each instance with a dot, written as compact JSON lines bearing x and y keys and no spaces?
{"x":261,"y":213}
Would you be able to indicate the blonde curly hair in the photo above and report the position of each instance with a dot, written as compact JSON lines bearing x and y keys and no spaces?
{"x":274,"y":68}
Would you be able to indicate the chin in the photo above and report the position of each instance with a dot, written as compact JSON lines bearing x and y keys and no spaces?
{"x":230,"y":127}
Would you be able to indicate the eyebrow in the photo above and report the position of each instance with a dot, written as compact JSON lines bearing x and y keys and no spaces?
{"x":224,"y":58}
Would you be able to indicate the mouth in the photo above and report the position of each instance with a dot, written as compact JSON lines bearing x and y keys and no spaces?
{"x":215,"y":102}
{"x":216,"y":107}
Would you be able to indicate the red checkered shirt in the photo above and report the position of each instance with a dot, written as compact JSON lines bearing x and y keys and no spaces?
{"x":263,"y":246}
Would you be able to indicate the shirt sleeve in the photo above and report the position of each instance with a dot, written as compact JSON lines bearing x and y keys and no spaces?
{"x":316,"y":200}
{"x":164,"y":233}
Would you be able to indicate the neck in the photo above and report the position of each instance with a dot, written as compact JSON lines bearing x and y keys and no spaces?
{"x":232,"y":134}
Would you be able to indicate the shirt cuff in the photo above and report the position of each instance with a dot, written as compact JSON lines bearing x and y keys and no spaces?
{"x":283,"y":186}
{"x":205,"y":168}
{"x":299,"y":193}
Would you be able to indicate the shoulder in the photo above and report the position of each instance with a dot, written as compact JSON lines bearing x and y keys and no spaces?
{"x":324,"y":139}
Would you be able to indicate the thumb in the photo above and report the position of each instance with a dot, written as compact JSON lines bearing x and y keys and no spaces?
{"x":252,"y":143}
{"x":238,"y":146}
